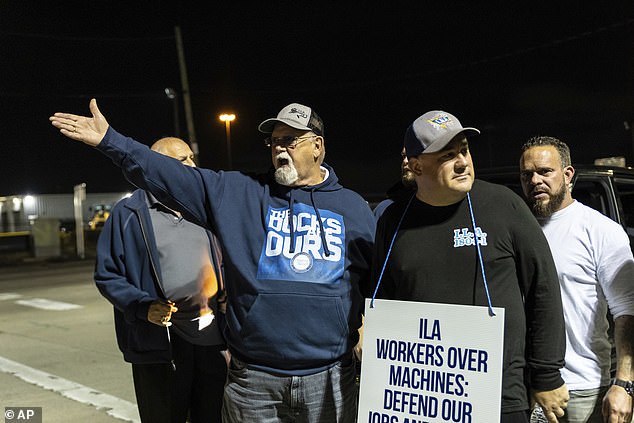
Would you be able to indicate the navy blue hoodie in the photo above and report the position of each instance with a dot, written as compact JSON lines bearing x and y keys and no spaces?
{"x":293,"y":283}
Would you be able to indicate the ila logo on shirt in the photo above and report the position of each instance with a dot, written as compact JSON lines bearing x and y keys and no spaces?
{"x":464,"y":237}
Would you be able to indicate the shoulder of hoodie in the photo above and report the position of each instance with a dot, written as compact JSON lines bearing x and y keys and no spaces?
{"x":352,"y":199}
{"x":354,"y":196}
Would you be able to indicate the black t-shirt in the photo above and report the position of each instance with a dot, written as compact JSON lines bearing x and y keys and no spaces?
{"x":434,"y":259}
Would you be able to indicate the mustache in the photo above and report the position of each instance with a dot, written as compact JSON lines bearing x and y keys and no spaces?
{"x":284,"y":156}
{"x":538,"y":191}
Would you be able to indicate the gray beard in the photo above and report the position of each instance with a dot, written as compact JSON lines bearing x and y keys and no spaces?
{"x":546,"y":210}
{"x":286,"y":175}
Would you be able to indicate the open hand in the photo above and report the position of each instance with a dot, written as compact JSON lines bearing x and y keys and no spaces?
{"x":89,"y":130}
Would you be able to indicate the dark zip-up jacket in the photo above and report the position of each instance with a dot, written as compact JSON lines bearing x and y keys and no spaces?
{"x":127,"y":273}
{"x":294,"y":258}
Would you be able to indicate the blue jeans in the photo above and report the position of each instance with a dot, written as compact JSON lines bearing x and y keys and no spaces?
{"x":255,"y":396}
{"x":584,"y":406}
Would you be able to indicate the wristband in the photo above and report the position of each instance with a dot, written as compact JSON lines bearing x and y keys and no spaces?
{"x":628,"y":385}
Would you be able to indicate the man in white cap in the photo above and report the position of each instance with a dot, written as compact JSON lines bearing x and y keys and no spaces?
{"x":435,"y":259}
{"x":297,"y":248}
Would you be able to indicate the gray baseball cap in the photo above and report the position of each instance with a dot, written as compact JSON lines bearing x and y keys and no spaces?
{"x":296,"y":116}
{"x":432,"y":132}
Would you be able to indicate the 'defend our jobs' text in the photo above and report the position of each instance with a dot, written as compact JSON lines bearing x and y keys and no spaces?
{"x":420,"y":371}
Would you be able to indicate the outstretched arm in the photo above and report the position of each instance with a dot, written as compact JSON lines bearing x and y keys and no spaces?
{"x":179,"y":187}
{"x":89,"y":130}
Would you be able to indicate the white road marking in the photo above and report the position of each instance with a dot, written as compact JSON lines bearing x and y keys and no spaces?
{"x":115,"y":407}
{"x":45,"y":304}
{"x":6,"y":296}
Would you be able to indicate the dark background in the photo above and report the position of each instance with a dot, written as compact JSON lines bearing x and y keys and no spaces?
{"x":511,"y":69}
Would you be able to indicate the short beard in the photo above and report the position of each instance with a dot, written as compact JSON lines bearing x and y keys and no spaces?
{"x":544,"y":210}
{"x":286,"y":175}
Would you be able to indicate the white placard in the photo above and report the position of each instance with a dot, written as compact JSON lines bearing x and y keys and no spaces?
{"x":431,"y":363}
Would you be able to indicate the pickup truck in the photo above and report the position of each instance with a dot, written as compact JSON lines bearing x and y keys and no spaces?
{"x":609,"y":190}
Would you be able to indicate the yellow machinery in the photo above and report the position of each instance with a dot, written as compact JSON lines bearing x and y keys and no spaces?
{"x":100,"y":213}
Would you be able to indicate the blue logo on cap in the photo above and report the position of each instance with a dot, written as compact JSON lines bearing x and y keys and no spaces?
{"x":441,"y":120}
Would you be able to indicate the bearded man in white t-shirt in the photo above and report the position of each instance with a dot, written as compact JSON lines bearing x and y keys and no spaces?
{"x":596,"y":271}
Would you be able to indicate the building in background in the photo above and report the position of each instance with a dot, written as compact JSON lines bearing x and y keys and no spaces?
{"x":45,"y":225}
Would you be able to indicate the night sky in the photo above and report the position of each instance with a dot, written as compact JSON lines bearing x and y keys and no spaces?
{"x":513,"y":71}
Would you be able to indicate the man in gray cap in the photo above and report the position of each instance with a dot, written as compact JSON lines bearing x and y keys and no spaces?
{"x":297,"y":249}
{"x":466,"y":241}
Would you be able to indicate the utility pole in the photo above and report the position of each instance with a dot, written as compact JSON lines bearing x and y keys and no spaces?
{"x":185,"y":89}
{"x":79,"y":196}
{"x":627,"y":125}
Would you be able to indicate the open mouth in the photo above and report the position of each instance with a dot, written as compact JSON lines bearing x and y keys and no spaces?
{"x":282,"y":160}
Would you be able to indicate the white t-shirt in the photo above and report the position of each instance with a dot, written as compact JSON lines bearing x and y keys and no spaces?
{"x":596,"y":270}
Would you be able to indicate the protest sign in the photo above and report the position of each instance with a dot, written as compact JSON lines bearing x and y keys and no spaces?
{"x":431,"y":363}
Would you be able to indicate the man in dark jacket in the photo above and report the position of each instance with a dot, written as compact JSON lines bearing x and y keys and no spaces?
{"x":404,"y":188}
{"x":297,"y":248}
{"x":162,"y":274}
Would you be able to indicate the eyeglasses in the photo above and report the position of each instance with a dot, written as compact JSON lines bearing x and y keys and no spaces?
{"x":287,"y":142}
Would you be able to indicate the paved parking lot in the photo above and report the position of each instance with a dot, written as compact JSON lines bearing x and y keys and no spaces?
{"x":58,"y":348}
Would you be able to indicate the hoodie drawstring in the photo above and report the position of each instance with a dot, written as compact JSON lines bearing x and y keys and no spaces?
{"x":169,"y":341}
{"x":322,"y":233}
{"x":291,"y":214}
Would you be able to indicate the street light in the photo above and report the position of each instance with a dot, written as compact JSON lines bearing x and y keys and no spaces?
{"x":227,"y":119}
{"x":173,"y":97}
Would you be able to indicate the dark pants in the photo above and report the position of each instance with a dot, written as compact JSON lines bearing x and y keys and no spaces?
{"x":196,"y":387}
{"x":516,"y":417}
